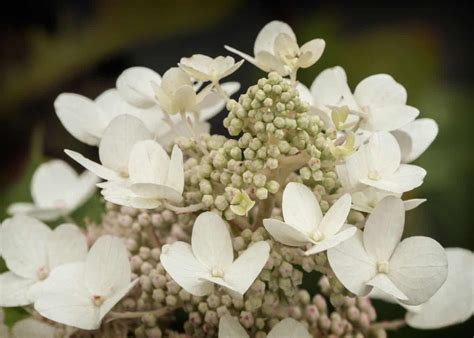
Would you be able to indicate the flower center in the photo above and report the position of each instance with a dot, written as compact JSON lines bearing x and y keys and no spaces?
{"x":382,"y":267}
{"x":97,"y":300}
{"x":374,"y":175}
{"x":317,"y":236}
{"x":217,"y":272}
{"x":42,"y":273}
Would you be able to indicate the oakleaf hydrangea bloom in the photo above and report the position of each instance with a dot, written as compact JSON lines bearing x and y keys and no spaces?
{"x":204,"y":68}
{"x":80,"y":294}
{"x":276,"y":49}
{"x":57,"y":191}
{"x":304,"y":221}
{"x":379,"y":101}
{"x":153,"y":177}
{"x":31,"y":251}
{"x":114,"y":148}
{"x":378,"y":164}
{"x":210,"y":259}
{"x":411,"y":270}
{"x":229,"y":327}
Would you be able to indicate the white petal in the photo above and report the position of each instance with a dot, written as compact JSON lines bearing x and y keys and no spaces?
{"x":148,"y":163}
{"x":335,"y":217}
{"x":285,"y":233}
{"x":316,"y":48}
{"x":413,"y":203}
{"x":268,"y":62}
{"x":80,"y":116}
{"x":229,"y":327}
{"x":99,"y":170}
{"x":66,"y":244}
{"x":123,"y":195}
{"x":118,"y":139}
{"x":82,"y":190}
{"x":214,"y":103}
{"x":332,"y":241}
{"x":107,"y":266}
{"x":175,"y":177}
{"x":300,"y":208}
{"x":289,"y":328}
{"x":180,"y":262}
{"x":30,"y":327}
{"x":384,"y":228}
{"x":156,"y":192}
{"x":135,"y":86}
{"x":23,"y":242}
{"x":388,"y":118}
{"x":380,"y":90}
{"x":330,"y":88}
{"x":383,"y":154}
{"x":112,"y":105}
{"x":50,"y":184}
{"x":14,"y":290}
{"x":66,"y":300}
{"x":415,"y":138}
{"x":305,"y":94}
{"x":111,"y":301}
{"x":418,"y":268}
{"x":267,"y":35}
{"x":211,"y":241}
{"x":453,"y":302}
{"x":246,"y":268}
{"x":406,"y":178}
{"x":382,"y":282}
{"x":352,"y":266}
{"x":246,"y":57}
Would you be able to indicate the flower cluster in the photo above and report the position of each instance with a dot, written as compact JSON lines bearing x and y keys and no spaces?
{"x":211,"y":235}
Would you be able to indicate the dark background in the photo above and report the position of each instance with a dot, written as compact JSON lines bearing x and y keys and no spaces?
{"x":49,"y":47}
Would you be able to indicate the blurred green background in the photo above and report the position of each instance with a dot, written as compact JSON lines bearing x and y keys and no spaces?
{"x":49,"y":47}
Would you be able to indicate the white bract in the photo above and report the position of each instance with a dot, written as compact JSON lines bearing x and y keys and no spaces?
{"x":57,"y":190}
{"x":31,"y":251}
{"x":87,"y":119}
{"x":153,"y":177}
{"x":204,"y":68}
{"x":80,"y":294}
{"x":411,"y":270}
{"x":229,"y":327}
{"x":30,"y":327}
{"x":415,"y":137}
{"x":210,"y":259}
{"x":114,"y":148}
{"x":377,"y":163}
{"x":276,"y":49}
{"x":366,"y":200}
{"x":378,"y":100}
{"x":452,"y":303}
{"x":304,"y":221}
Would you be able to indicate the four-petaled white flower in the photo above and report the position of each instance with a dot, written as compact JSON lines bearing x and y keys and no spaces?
{"x":32,"y":251}
{"x":204,"y":68}
{"x":304,"y":221}
{"x":153,"y":177}
{"x":87,"y":119}
{"x":415,"y":137}
{"x":411,"y":270}
{"x":229,"y":327}
{"x":366,"y":200}
{"x":378,"y":100}
{"x":276,"y":49}
{"x":80,"y":294}
{"x":210,"y":259}
{"x":452,"y":304}
{"x":57,"y":190}
{"x":377,"y":163}
{"x":114,"y":148}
